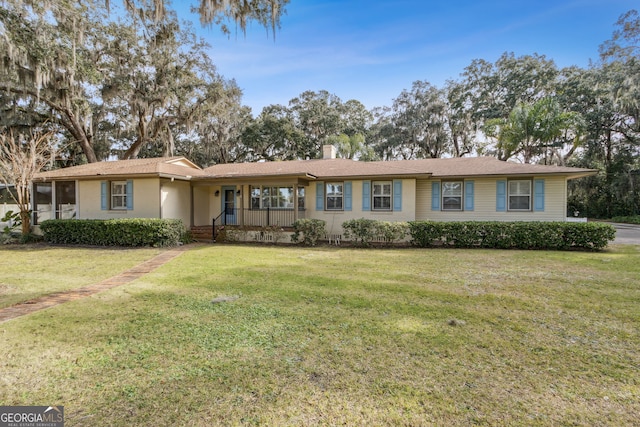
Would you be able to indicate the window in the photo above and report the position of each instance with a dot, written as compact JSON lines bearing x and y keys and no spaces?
{"x":334,"y":196}
{"x":255,"y":197}
{"x":382,"y":196}
{"x":277,"y":197}
{"x":519,"y":195}
{"x":452,"y":196}
{"x":263,"y":197}
{"x":118,"y":194}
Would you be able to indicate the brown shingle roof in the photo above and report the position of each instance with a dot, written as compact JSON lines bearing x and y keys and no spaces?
{"x":181,"y":168}
{"x":178,"y":167}
{"x":320,"y":168}
{"x":438,"y":168}
{"x":487,"y":166}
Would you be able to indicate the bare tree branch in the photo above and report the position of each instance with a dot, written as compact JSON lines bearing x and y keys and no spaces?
{"x":21,"y":157}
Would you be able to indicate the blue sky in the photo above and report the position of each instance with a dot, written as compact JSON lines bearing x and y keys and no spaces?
{"x":372,"y":50}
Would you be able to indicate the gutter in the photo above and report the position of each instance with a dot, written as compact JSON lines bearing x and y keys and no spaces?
{"x":252,"y":176}
{"x":377,"y":177}
{"x":112,"y":176}
{"x":568,"y":175}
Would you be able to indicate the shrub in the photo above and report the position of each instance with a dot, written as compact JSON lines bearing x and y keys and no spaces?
{"x":29,"y":238}
{"x":635,"y":219}
{"x":114,"y":232}
{"x":366,"y":231}
{"x":311,"y":230}
{"x":362,"y":231}
{"x":392,"y":232}
{"x":6,"y":239}
{"x":186,"y":236}
{"x":512,"y":235}
{"x":590,"y":235}
{"x":424,"y":234}
{"x":228,"y":235}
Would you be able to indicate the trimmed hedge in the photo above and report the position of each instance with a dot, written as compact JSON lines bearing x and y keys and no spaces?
{"x":114,"y":232}
{"x":364,"y":231}
{"x":512,"y":235}
{"x":311,"y":231}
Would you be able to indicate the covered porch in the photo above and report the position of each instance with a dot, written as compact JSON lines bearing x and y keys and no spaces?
{"x":250,"y":204}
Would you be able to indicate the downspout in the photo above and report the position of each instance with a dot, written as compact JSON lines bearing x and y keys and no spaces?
{"x":241,"y":204}
{"x":54,"y":203}
{"x":160,"y":200}
{"x":77,"y":188}
{"x":295,"y":203}
{"x":192,"y":206}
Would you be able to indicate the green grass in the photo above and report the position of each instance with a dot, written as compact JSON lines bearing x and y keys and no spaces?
{"x":329,"y":336}
{"x":30,"y":271}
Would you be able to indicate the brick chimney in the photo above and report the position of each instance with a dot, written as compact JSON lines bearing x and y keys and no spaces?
{"x":328,"y":152}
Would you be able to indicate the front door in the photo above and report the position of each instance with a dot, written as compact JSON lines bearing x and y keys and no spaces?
{"x":229,"y":205}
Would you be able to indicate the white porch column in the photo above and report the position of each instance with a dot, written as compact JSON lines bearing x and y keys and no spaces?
{"x":295,"y":202}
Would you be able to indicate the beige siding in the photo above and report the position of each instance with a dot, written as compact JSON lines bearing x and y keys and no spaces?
{"x":334,"y":219}
{"x":202,"y":213}
{"x":215,"y":202}
{"x":176,"y":201}
{"x":146,"y":200}
{"x":208,"y":205}
{"x":485,"y":203}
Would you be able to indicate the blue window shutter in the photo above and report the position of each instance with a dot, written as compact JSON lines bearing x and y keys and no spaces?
{"x":129,"y":195}
{"x":104,"y":194}
{"x":435,"y":196}
{"x":366,"y":195}
{"x":468,"y":195}
{"x":501,"y":196}
{"x":320,"y":196}
{"x":347,"y":196}
{"x":397,"y":195}
{"x":538,"y":201}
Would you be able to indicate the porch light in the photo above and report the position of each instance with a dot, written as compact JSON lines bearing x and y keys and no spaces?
{"x":217,"y":193}
{"x":238,"y":192}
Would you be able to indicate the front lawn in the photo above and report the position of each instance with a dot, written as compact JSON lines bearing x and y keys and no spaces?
{"x":30,"y":271}
{"x":329,"y":336}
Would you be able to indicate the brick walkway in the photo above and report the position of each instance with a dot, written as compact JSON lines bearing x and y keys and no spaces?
{"x":46,"y":301}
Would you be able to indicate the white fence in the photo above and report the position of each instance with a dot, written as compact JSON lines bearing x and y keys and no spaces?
{"x":576,"y":219}
{"x":4,"y":208}
{"x":44,"y":212}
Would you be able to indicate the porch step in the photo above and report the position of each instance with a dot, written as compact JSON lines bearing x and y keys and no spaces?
{"x":202,"y":233}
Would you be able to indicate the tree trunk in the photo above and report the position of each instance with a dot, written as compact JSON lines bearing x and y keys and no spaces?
{"x":456,"y":145}
{"x":133,"y":151}
{"x":83,"y":139}
{"x":26,"y":222}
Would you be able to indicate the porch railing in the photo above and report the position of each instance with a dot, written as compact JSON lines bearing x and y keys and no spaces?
{"x":257,"y":217}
